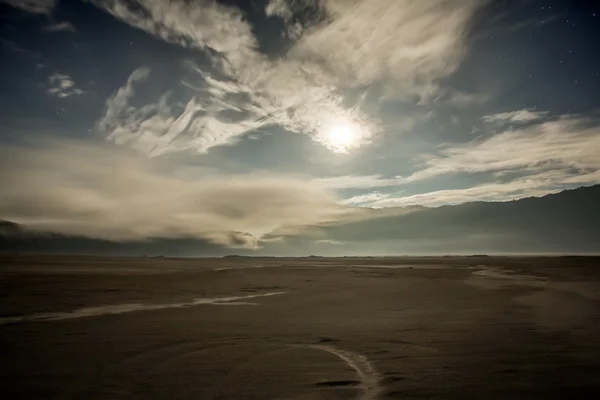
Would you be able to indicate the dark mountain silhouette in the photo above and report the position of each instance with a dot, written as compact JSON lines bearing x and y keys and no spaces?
{"x":9,"y":228}
{"x":565,"y":222}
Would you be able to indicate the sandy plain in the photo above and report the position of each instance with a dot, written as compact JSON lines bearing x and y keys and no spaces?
{"x":78,"y":327}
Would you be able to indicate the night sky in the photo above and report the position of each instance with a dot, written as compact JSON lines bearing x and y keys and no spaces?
{"x":250,"y":124}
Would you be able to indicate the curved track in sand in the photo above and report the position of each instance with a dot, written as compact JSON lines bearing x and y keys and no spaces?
{"x":365,"y":371}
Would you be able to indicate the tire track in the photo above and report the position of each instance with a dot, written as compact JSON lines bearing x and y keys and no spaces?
{"x":367,"y":374}
{"x":131,"y":372}
{"x":127,"y":308}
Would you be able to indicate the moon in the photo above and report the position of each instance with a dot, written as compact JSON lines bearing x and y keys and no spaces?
{"x":341,"y":137}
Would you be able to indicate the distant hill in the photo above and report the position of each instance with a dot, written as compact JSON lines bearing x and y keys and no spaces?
{"x":568,"y":221}
{"x":9,"y":228}
{"x":565,"y":222}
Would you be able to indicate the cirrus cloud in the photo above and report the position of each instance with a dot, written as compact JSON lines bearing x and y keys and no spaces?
{"x":533,"y":154}
{"x":33,"y":6}
{"x":568,"y":143}
{"x":408,"y":46}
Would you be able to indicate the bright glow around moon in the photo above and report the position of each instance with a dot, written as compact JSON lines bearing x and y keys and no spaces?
{"x":345,"y":133}
{"x":341,"y":137}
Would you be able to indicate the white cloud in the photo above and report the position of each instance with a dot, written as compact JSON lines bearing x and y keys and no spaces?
{"x":331,"y":242}
{"x":201,"y":24}
{"x":532,"y":185}
{"x":566,"y":143}
{"x":12,"y":46}
{"x":517,"y":116}
{"x":62,"y":86}
{"x":409,"y":44}
{"x":292,"y":13}
{"x":357,"y":181}
{"x":58,"y":27}
{"x":104,"y":192}
{"x":368,"y":199}
{"x":544,"y":156}
{"x":280,"y":8}
{"x":273,"y":99}
{"x":160,"y":127}
{"x":462,"y":99}
{"x":33,"y":6}
{"x":119,"y":102}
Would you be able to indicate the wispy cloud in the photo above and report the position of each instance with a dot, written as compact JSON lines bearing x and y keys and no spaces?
{"x":462,"y":99}
{"x":533,"y":155}
{"x":12,"y":46}
{"x":58,"y":27}
{"x":357,"y":181}
{"x":33,"y":6}
{"x":331,"y":242}
{"x":43,"y":7}
{"x":567,"y":143}
{"x":298,"y":15}
{"x":409,"y":46}
{"x":62,"y":86}
{"x":32,"y":54}
{"x":280,"y":8}
{"x":531,"y":185}
{"x":223,"y":110}
{"x":118,"y":102}
{"x":162,"y":127}
{"x":517,"y":116}
{"x":369,"y":199}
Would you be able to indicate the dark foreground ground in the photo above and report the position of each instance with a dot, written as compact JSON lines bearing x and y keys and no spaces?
{"x":427,"y":328}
